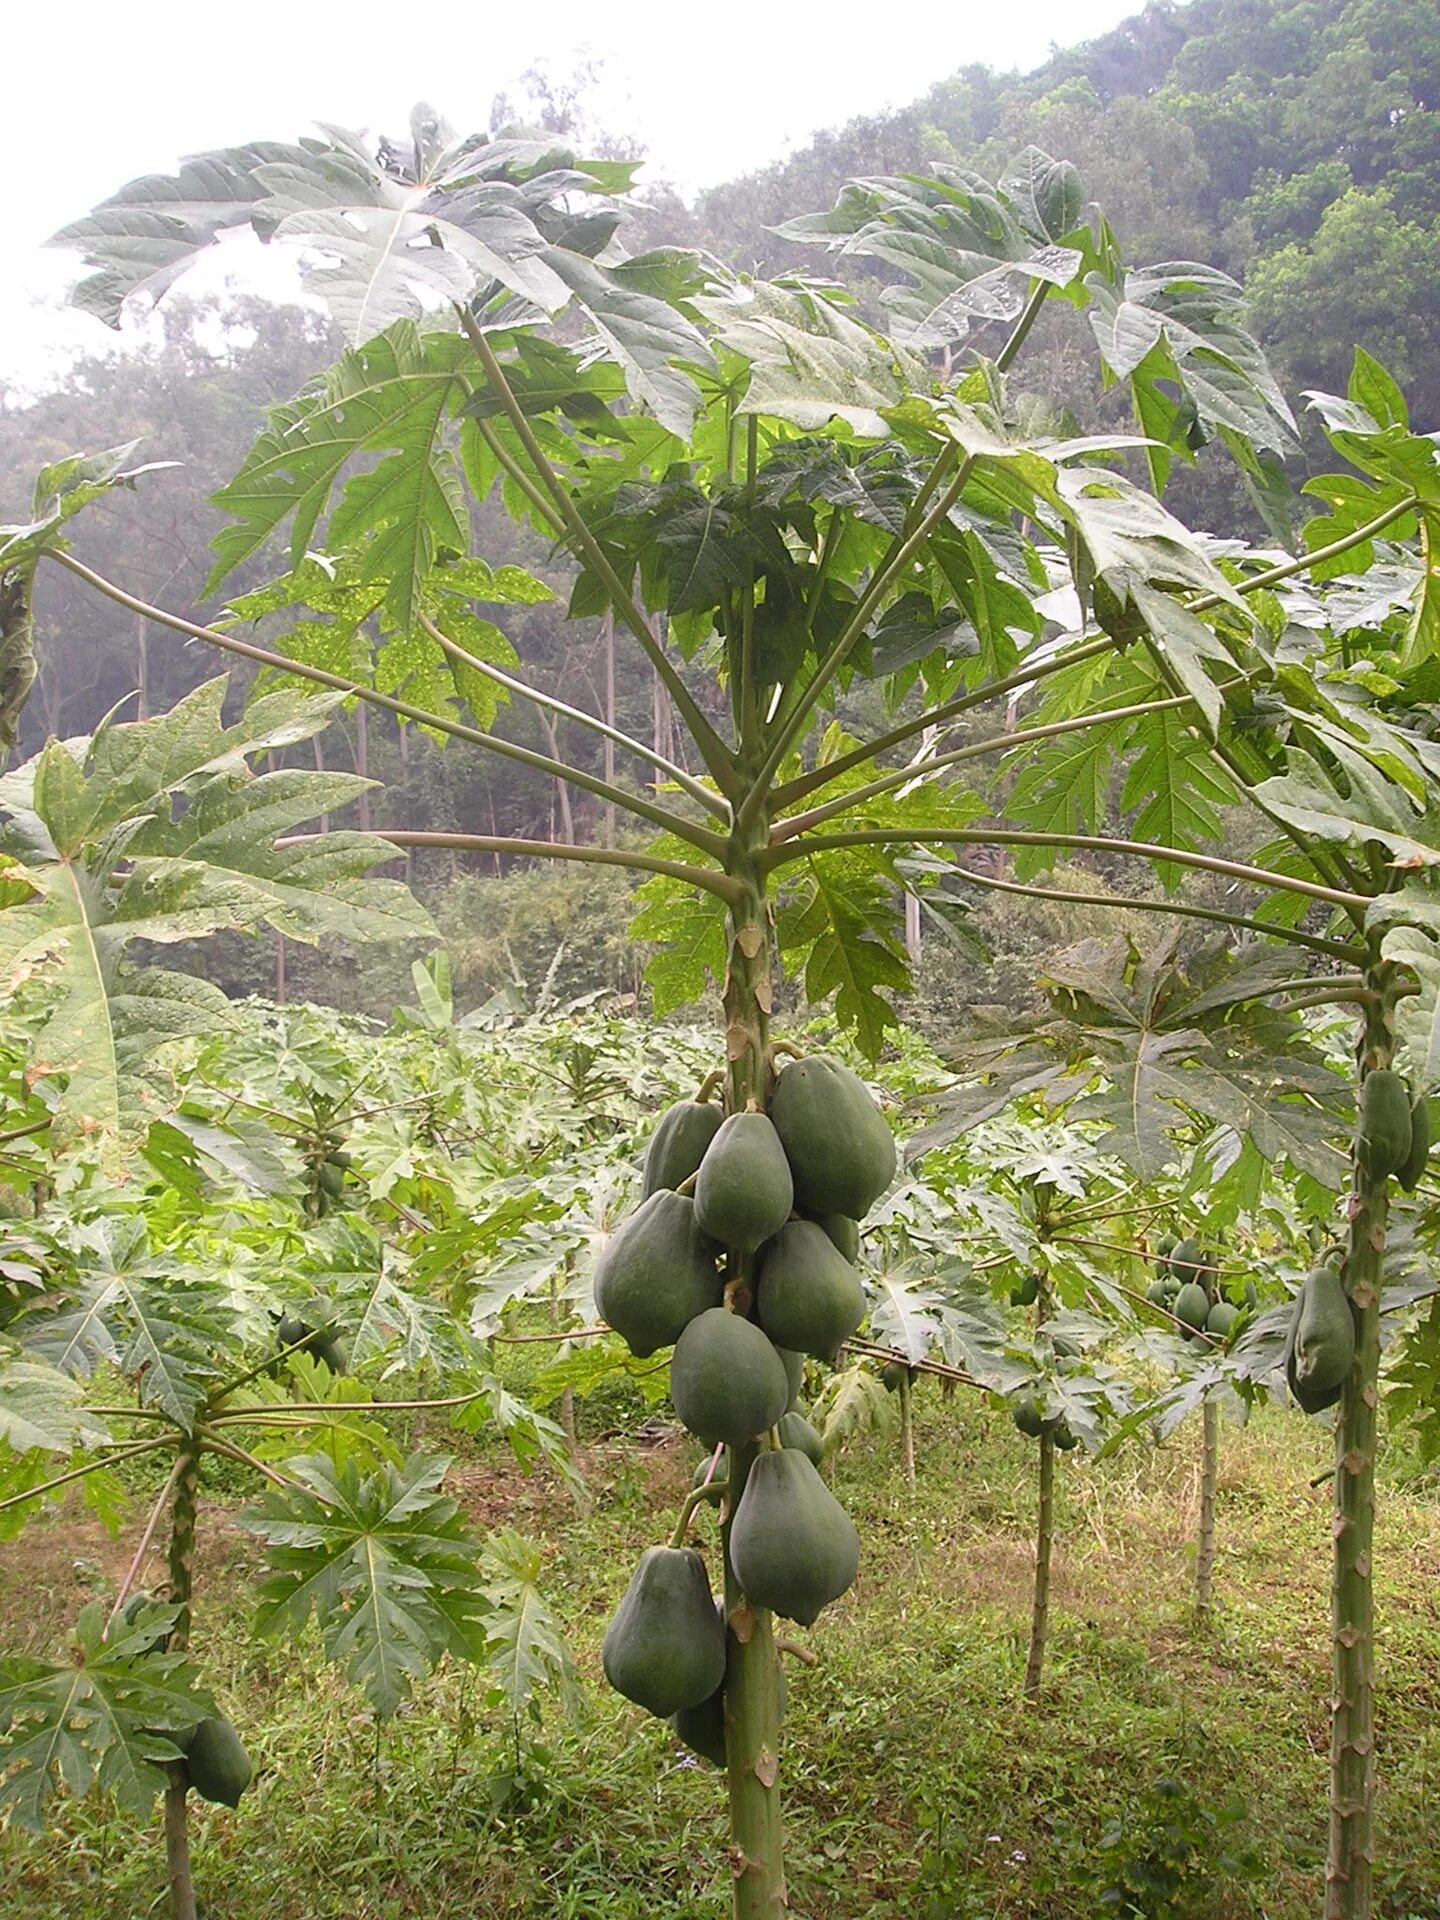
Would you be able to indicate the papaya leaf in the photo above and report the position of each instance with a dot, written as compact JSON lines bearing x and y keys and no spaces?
{"x":525,"y":1651}
{"x":99,"y":1719}
{"x":156,"y":830}
{"x":384,"y":1564}
{"x":40,"y":1407}
{"x":853,"y":1402}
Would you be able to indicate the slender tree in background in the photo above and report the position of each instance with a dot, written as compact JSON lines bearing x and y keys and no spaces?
{"x":803,"y":505}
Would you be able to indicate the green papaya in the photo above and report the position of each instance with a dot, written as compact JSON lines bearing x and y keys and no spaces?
{"x":795,"y":1374}
{"x":793,"y":1547}
{"x":726,"y":1379}
{"x":1322,"y":1343}
{"x":809,"y":1298}
{"x":893,"y":1374}
{"x":1188,"y":1264}
{"x":665,"y":1647}
{"x":655,"y":1273}
{"x":796,"y":1431}
{"x":1415,"y":1160}
{"x":1164,"y":1249}
{"x":839,"y":1144}
{"x":1028,"y":1413}
{"x":744,"y":1192}
{"x":1063,"y":1435}
{"x":1220,"y":1321}
{"x":679,"y":1144}
{"x":323,"y":1347}
{"x":1192,"y":1305}
{"x":1027,"y":1292}
{"x":1382,"y":1139}
{"x":216,"y":1761}
{"x":1252,"y":1296}
{"x":331,"y":1179}
{"x":702,"y":1728}
{"x":1158,"y":1294}
{"x":844,"y":1231}
{"x":702,"y":1475}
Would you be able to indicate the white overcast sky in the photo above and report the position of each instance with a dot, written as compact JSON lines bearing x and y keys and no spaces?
{"x":97,"y":93}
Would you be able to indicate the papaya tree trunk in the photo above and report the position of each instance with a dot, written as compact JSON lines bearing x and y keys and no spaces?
{"x":752,"y":1691}
{"x":1349,"y":1870}
{"x":1044,"y":1541}
{"x":907,"y":1430}
{"x":183,"y":1507}
{"x":1209,"y":1473}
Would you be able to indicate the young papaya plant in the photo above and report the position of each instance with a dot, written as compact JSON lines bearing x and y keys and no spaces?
{"x":778,"y":501}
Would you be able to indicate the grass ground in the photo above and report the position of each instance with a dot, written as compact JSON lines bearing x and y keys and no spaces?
{"x":917,"y":1783}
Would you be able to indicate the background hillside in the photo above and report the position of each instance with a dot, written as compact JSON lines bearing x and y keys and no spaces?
{"x":1294,"y":143}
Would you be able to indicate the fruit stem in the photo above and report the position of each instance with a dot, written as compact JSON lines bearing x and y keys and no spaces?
{"x":698,"y":1497}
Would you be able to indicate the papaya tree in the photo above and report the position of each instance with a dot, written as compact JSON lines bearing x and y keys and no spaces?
{"x":802,"y":517}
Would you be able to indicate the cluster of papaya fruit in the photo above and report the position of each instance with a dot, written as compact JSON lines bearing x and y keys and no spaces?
{"x":1187,"y":1286}
{"x":1393,"y":1137}
{"x":741,"y":1255}
{"x":1032,"y":1418}
{"x":1392,"y":1140}
{"x":326,"y":1164}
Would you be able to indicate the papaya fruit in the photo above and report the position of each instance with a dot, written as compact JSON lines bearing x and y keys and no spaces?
{"x":1252,"y":1296}
{"x":1063,"y":1435}
{"x":795,"y":1374}
{"x":216,"y":1762}
{"x":1220,"y":1321}
{"x":1028,"y":1413}
{"x":702,"y":1474}
{"x":1188,"y":1264}
{"x":744,"y":1192}
{"x":796,"y":1431}
{"x":1382,"y":1138}
{"x":839,"y":1144}
{"x":1164,"y":1248}
{"x":809,"y":1298}
{"x":893,"y":1375}
{"x":1192,"y":1305}
{"x":1158,"y":1294}
{"x":665,"y":1646}
{"x":1322,"y":1342}
{"x":1415,"y":1160}
{"x":702,"y":1728}
{"x":844,"y":1231}
{"x":655,"y":1273}
{"x":331,"y":1179}
{"x":727,"y":1381}
{"x":1027,"y":1292}
{"x":793,"y":1547}
{"x":323,"y":1347}
{"x":678,"y":1145}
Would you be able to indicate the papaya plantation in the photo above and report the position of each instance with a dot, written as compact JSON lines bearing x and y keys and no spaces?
{"x":357,"y":1296}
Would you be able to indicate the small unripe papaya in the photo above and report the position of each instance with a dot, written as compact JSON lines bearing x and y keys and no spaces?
{"x":1409,"y":1174}
{"x":744,"y":1192}
{"x":1383,"y":1137}
{"x":1192,"y":1305}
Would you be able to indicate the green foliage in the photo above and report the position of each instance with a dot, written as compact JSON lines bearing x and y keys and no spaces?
{"x":382,"y":1561}
{"x":107,"y":1717}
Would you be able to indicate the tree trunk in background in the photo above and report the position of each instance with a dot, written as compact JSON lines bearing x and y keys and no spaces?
{"x":1209,"y":1474}
{"x":362,"y":764}
{"x":607,"y":630}
{"x":566,"y":830}
{"x":1349,"y":1870}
